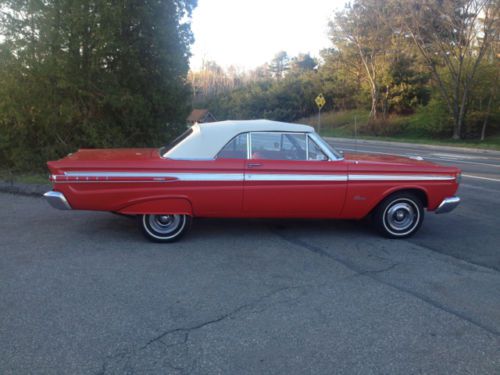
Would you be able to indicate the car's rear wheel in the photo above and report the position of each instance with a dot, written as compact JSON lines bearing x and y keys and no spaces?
{"x":164,"y":228}
{"x":399,"y":215}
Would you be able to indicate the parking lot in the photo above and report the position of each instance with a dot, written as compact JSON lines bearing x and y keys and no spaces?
{"x":85,"y":293}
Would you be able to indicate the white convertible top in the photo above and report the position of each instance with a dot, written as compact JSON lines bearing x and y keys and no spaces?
{"x":207,"y":140}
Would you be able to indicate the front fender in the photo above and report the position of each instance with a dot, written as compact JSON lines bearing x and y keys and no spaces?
{"x":159,"y":206}
{"x":363,"y":197}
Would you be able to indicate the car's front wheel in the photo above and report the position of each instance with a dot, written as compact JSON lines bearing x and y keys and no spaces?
{"x":399,"y":215}
{"x":164,"y":228}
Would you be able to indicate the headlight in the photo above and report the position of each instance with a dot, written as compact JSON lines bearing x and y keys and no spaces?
{"x":459,"y":177}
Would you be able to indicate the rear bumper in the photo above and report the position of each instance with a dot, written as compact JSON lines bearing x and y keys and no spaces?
{"x":447,"y":205}
{"x":57,"y":200}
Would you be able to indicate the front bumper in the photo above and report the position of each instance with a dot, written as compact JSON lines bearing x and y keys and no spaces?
{"x":57,"y":200}
{"x":447,"y":205}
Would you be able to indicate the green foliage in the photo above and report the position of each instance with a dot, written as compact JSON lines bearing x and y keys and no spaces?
{"x":403,"y":88}
{"x":303,"y":63}
{"x":285,"y":100}
{"x":484,"y":107}
{"x":339,"y":123}
{"x":406,"y":88}
{"x":279,"y":65}
{"x":432,"y":120}
{"x":409,"y":128}
{"x":90,"y":74}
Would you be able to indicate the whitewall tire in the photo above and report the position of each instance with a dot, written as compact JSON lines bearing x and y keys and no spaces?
{"x":164,"y":228}
{"x":399,"y":216}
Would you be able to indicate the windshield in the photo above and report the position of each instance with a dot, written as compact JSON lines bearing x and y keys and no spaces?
{"x":175,"y":142}
{"x":325,"y":144}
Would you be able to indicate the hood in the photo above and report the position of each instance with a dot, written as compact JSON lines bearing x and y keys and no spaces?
{"x":379,"y":159}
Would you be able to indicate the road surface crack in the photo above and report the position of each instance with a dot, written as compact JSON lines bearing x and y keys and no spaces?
{"x":376,"y":276}
{"x":185,"y":332}
{"x":381,"y":270}
{"x":188,"y":330}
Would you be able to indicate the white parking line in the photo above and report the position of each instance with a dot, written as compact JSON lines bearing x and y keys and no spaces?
{"x":370,"y":152}
{"x":463,"y":162}
{"x":481,"y":178}
{"x":458,"y":156}
{"x":469,"y":186}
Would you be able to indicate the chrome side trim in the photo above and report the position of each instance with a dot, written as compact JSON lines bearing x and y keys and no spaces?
{"x":190,"y":159}
{"x":113,"y":181}
{"x":106,"y":177}
{"x":57,"y":200}
{"x":176,"y":176}
{"x":403,"y":177}
{"x":447,"y":205}
{"x":208,"y":176}
{"x":93,"y":177}
{"x":294,"y":177}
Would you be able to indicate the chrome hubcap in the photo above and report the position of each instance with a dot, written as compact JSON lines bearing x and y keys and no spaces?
{"x":164,"y":224}
{"x":401,"y":216}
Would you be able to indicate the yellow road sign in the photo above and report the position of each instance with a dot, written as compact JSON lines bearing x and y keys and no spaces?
{"x":320,"y":101}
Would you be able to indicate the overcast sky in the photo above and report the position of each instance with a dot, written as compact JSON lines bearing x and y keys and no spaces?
{"x":248,"y":33}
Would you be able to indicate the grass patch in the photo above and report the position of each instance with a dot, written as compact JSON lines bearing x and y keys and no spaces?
{"x":337,"y":124}
{"x":24,"y":178}
{"x":409,"y":129}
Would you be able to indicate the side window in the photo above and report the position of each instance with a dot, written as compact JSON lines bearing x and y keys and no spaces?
{"x":279,"y":146}
{"x":235,"y":149}
{"x":314,"y":152}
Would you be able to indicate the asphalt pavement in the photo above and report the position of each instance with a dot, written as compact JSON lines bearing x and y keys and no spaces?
{"x":85,"y":293}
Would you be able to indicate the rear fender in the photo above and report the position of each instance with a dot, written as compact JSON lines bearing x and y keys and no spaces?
{"x":178,"y":206}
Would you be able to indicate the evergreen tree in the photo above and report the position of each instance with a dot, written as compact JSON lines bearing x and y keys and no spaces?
{"x":279,"y":65}
{"x":90,"y":73}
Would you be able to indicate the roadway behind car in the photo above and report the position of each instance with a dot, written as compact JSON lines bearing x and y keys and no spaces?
{"x":83,"y":293}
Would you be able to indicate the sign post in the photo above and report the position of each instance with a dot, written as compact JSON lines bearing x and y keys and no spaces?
{"x":320,"y":102}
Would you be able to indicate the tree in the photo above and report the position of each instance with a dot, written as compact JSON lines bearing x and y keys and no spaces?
{"x":361,"y":30}
{"x":91,"y":73}
{"x":340,"y":80}
{"x":453,"y":37}
{"x":406,"y":86}
{"x":212,"y":80}
{"x":303,"y":62}
{"x":279,"y":65}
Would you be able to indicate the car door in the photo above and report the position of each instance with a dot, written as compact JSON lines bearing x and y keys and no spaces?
{"x":289,"y":175}
{"x":217,"y":186}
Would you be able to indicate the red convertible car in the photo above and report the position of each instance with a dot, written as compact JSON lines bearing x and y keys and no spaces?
{"x":251,"y":169}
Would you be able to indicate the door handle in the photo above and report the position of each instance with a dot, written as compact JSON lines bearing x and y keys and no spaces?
{"x":254,"y":165}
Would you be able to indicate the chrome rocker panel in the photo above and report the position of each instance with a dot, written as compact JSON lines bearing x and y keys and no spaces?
{"x":447,"y":205}
{"x":57,"y":200}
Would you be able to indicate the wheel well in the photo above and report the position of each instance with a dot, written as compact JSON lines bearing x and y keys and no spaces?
{"x":159,"y":206}
{"x":420,"y":194}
